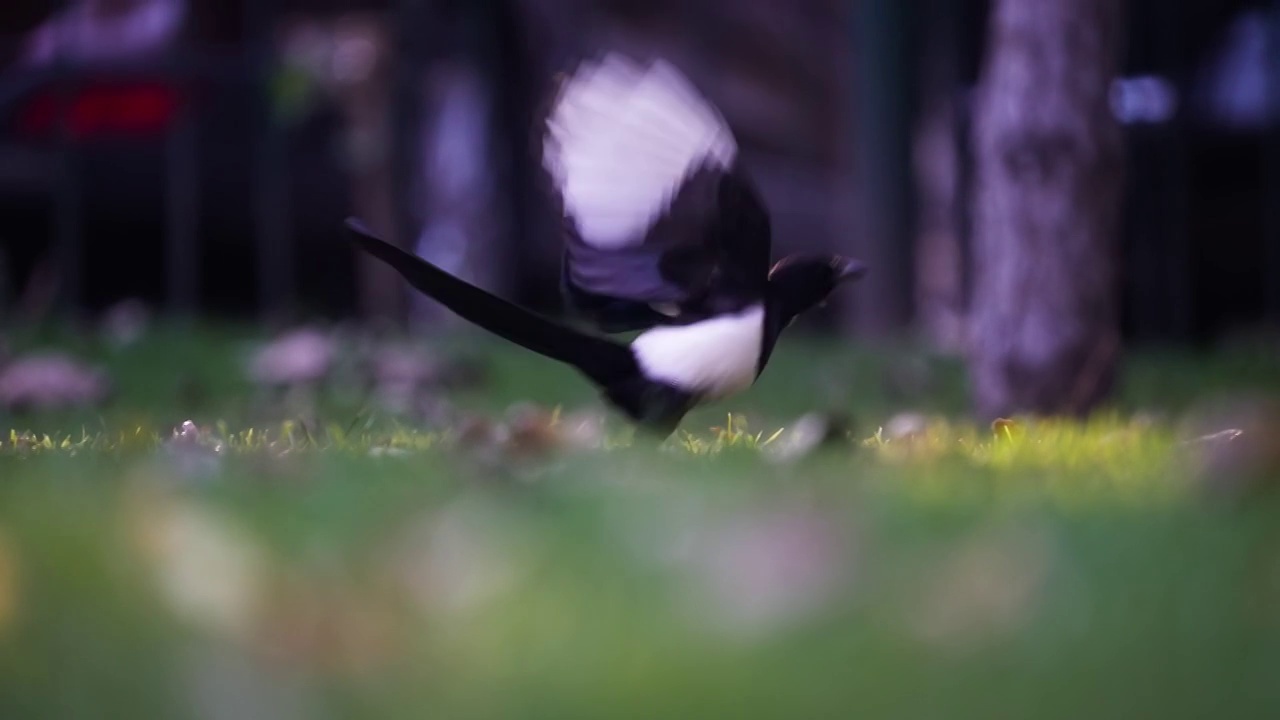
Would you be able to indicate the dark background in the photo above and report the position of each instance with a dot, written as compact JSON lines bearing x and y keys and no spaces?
{"x":232,"y":206}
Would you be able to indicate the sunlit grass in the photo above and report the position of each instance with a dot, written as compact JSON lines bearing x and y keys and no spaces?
{"x":1108,"y":458}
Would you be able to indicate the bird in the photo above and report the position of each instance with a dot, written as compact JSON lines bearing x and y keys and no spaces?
{"x":665,"y":236}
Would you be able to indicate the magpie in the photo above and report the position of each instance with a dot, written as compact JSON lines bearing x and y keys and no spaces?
{"x":665,"y":234}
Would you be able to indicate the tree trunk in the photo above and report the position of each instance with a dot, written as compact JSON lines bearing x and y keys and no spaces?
{"x":1045,"y":307}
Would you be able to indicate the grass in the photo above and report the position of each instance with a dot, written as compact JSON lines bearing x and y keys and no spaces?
{"x":305,"y":570}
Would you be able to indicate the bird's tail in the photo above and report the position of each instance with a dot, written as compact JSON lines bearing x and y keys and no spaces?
{"x":607,"y":363}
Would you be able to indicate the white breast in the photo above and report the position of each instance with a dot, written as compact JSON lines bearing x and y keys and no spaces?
{"x":713,"y":358}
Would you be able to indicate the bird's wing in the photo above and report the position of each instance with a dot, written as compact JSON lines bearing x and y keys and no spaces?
{"x":604,"y":361}
{"x":660,"y":216}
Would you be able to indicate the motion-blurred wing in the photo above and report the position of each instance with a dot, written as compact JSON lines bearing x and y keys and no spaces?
{"x":662,"y":223}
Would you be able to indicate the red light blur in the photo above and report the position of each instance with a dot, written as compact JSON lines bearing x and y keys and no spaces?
{"x":123,"y":109}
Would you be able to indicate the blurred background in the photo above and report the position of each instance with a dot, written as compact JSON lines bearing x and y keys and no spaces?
{"x":200,"y":155}
{"x":276,"y":503}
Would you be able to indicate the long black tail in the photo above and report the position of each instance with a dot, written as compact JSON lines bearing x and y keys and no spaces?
{"x":604,"y":361}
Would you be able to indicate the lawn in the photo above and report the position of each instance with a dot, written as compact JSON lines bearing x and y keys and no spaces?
{"x":300,"y":555}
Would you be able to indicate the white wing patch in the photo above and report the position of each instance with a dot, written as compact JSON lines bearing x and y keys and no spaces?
{"x":713,"y":358}
{"x":620,"y":141}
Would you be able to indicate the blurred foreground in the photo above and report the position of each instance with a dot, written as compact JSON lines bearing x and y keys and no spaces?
{"x":514,"y":564}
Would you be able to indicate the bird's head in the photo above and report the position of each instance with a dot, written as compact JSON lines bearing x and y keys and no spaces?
{"x":798,"y":283}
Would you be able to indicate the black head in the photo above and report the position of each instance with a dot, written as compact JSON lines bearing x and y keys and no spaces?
{"x":798,"y":283}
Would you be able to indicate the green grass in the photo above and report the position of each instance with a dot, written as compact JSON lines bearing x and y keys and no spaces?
{"x":1035,"y":570}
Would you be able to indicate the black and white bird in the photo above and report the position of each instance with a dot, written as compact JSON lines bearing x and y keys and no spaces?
{"x":665,"y":234}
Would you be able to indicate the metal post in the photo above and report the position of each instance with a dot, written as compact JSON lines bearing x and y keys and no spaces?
{"x":1158,"y":291}
{"x":883,"y":159}
{"x":182,"y":268}
{"x":68,"y":218}
{"x":273,"y":236}
{"x":1271,"y":240}
{"x":68,"y":205}
{"x":1179,"y":263}
{"x":512,"y":66}
{"x":406,"y":107}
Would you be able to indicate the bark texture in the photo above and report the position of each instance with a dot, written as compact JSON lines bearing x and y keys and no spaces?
{"x":1045,"y":306}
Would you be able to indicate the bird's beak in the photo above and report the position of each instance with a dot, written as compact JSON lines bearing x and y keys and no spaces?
{"x":849,"y":269}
